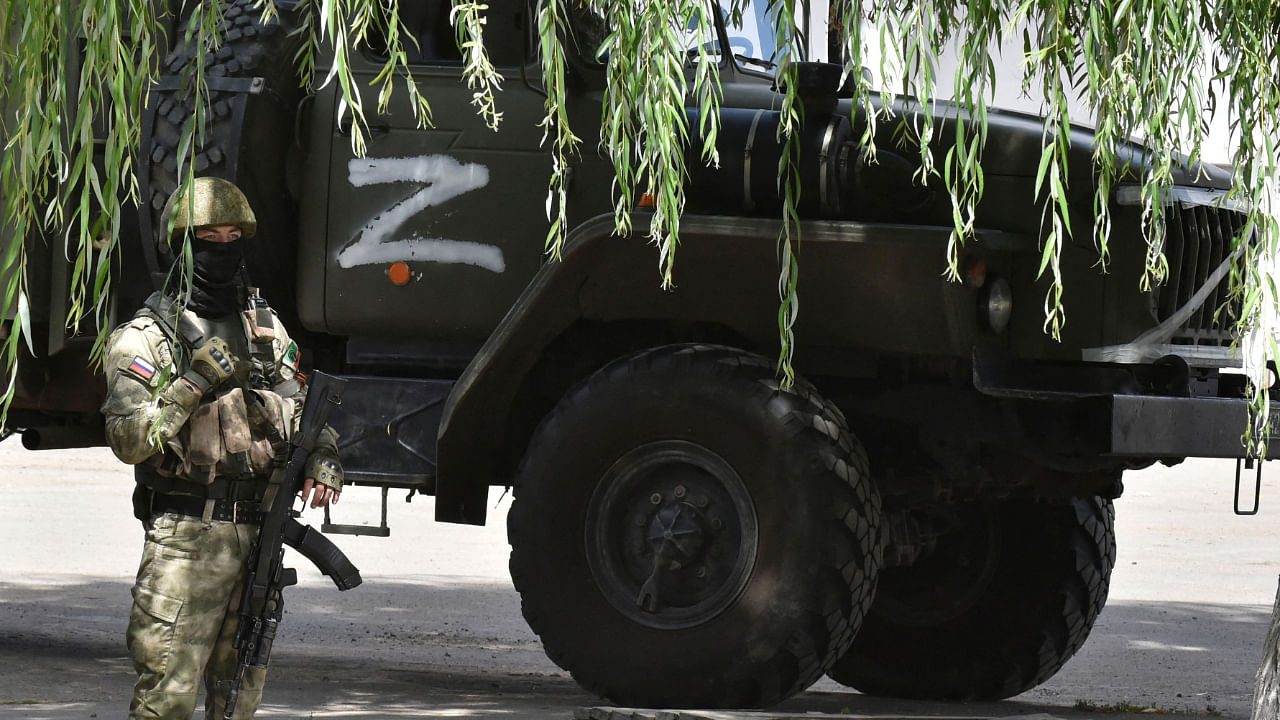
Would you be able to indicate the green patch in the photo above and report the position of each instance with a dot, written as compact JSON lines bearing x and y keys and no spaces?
{"x":291,"y":356}
{"x":23,"y":702}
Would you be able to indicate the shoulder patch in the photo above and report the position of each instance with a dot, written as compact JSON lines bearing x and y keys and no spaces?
{"x":142,"y":369}
{"x":291,"y":357}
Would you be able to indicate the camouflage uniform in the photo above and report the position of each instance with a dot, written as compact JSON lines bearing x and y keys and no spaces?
{"x":202,"y":440}
{"x":188,"y":586}
{"x":184,"y":618}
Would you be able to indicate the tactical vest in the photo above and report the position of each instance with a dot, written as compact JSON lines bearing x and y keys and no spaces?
{"x":227,"y":446}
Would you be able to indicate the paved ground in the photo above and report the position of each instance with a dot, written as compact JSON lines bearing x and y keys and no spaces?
{"x":436,"y":630}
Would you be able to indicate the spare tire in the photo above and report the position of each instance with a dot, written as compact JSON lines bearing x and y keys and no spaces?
{"x":254,"y":93}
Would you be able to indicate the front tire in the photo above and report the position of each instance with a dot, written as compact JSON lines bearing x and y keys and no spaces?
{"x":688,"y":534}
{"x":1008,"y":596}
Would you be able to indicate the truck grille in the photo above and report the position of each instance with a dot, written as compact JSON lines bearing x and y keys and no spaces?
{"x":1197,"y":242}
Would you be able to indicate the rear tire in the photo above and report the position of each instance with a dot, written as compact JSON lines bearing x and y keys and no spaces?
{"x":1007,"y":598}
{"x":686,"y":533}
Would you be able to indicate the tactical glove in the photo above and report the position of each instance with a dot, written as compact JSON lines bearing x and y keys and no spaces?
{"x":326,"y":470}
{"x":323,"y":464}
{"x":177,"y":401}
{"x":211,"y":364}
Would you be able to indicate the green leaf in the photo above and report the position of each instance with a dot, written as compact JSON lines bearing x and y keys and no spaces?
{"x":24,"y":320}
{"x":1138,"y":66}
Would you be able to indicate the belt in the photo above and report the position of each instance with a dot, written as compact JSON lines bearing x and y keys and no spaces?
{"x":235,"y":511}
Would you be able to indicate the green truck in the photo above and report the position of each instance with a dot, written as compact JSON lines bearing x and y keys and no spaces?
{"x":926,"y":513}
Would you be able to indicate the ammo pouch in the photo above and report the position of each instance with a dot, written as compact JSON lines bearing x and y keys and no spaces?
{"x":225,"y":438}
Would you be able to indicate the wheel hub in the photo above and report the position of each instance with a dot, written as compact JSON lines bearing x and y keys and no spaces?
{"x":676,"y":532}
{"x":671,"y":534}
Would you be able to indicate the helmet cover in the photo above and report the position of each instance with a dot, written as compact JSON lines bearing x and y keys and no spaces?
{"x":210,"y":201}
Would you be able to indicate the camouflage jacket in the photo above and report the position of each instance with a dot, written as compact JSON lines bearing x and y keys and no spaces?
{"x":150,"y":420}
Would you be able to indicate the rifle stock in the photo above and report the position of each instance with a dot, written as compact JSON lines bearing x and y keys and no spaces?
{"x":261,"y":604}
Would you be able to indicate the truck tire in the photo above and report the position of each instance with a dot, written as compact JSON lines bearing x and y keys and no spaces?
{"x":254,"y":93}
{"x":686,"y":533}
{"x":1007,"y":598}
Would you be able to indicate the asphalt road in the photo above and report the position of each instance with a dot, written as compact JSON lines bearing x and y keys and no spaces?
{"x":435,"y":631}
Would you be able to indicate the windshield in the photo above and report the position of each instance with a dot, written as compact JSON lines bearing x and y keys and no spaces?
{"x":751,"y":37}
{"x":750,"y":31}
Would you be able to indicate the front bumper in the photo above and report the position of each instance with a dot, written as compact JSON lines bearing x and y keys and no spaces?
{"x":1126,"y":419}
{"x":1159,"y":426}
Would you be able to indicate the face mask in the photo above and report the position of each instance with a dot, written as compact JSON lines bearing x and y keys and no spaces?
{"x":215,"y":264}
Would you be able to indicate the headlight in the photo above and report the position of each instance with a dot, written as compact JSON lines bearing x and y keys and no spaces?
{"x":995,"y":303}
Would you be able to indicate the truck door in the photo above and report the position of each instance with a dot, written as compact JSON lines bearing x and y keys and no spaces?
{"x":434,"y":233}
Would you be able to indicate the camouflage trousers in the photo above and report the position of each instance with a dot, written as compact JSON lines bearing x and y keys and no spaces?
{"x":184,"y":618}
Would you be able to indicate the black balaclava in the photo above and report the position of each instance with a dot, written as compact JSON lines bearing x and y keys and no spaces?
{"x":213,"y":283}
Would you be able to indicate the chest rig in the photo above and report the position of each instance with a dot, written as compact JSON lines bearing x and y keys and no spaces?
{"x":252,"y":335}
{"x":231,"y":439}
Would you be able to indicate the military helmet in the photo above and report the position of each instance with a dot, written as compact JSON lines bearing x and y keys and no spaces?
{"x":212,"y":201}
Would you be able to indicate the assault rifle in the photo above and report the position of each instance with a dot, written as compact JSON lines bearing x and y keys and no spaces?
{"x":260,"y":605}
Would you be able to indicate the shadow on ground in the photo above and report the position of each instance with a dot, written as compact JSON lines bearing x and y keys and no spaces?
{"x":408,"y":649}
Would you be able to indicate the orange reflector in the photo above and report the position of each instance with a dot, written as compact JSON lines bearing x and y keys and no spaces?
{"x":647,"y":200}
{"x":399,"y":273}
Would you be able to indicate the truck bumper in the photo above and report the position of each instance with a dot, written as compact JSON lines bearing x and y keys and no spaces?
{"x":1111,"y":418}
{"x":1157,"y":426}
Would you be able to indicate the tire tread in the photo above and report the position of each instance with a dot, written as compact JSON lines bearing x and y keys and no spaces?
{"x":1001,"y":664}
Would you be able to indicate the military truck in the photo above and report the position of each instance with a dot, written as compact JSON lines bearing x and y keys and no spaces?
{"x":926,"y":513}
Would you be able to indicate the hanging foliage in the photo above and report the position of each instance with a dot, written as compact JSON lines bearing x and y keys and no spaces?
{"x":1151,"y":69}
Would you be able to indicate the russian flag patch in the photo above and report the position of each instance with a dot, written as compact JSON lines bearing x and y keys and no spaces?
{"x":141,"y":368}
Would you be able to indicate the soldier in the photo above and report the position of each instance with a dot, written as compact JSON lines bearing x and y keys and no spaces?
{"x":196,"y":394}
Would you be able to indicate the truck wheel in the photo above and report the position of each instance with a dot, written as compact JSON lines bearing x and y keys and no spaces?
{"x":254,"y":92}
{"x":1007,"y":598}
{"x":685,"y":533}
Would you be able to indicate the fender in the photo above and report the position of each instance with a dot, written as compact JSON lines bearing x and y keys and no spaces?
{"x":718,"y":279}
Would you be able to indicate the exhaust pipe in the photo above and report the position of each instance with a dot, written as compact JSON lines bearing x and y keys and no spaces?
{"x":62,"y":438}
